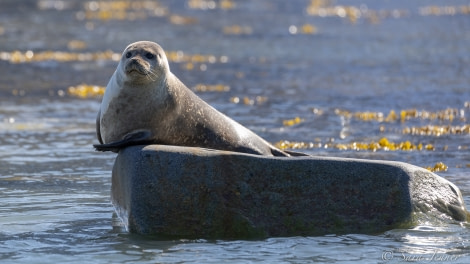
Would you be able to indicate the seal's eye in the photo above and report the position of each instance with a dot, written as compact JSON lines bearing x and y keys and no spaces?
{"x":128,"y":54}
{"x":150,"y":56}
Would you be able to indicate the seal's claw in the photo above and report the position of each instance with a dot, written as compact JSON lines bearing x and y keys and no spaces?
{"x":136,"y":138}
{"x":105,"y":147}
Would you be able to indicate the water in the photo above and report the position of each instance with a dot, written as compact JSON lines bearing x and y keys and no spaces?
{"x":55,"y":188}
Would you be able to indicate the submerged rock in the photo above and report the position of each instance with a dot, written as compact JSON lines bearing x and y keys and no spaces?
{"x":193,"y":192}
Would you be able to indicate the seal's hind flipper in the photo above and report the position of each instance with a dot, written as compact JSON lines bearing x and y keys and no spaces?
{"x":287,"y":153}
{"x":296,"y":154}
{"x":141,"y":137}
{"x":278,"y":153}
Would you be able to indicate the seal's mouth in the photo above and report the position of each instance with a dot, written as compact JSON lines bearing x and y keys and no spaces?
{"x":132,"y":71}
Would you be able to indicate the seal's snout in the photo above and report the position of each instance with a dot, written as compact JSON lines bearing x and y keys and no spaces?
{"x":136,"y":65}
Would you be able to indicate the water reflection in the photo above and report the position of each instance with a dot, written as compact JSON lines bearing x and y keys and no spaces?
{"x":366,"y":59}
{"x":428,"y":240}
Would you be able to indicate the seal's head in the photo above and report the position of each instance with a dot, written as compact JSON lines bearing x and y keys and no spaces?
{"x":143,"y":62}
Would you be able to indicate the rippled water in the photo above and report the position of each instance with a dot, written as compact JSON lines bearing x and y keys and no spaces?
{"x":54,"y":188}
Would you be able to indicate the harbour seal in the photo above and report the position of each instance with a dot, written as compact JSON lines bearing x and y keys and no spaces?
{"x":145,"y":103}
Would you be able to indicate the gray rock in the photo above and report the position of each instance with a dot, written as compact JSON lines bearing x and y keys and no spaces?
{"x":200,"y":193}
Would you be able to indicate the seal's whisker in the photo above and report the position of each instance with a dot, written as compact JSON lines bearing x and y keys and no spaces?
{"x":152,"y":76}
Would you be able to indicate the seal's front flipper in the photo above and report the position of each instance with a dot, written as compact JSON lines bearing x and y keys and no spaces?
{"x":141,"y":137}
{"x":106,"y":147}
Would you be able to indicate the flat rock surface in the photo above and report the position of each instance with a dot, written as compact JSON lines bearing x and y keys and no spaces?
{"x":195,"y":192}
